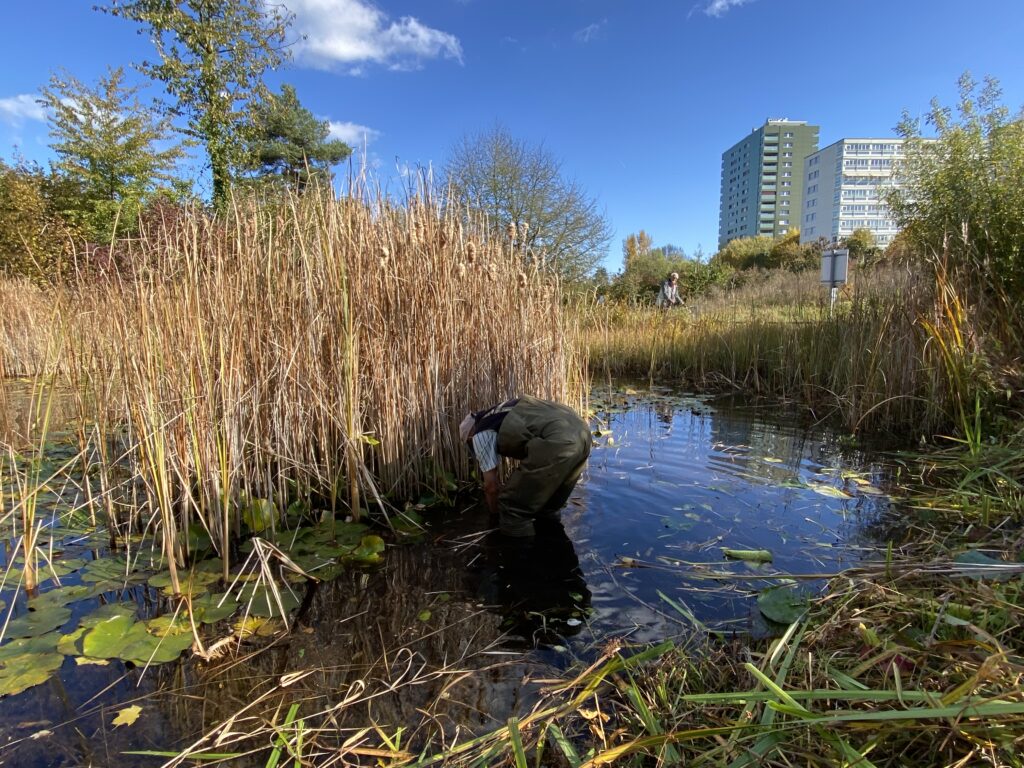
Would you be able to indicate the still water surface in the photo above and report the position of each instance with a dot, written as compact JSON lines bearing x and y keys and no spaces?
{"x":637,"y":554}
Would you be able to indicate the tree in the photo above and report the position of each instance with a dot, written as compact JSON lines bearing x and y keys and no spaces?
{"x":289,"y":143}
{"x":860,"y":243}
{"x":514,"y":182}
{"x":212,"y":56}
{"x":745,"y":253}
{"x":106,"y":143}
{"x":961,"y":197}
{"x":34,"y":240}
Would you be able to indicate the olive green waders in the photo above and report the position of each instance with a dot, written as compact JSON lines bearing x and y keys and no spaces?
{"x":552,"y":444}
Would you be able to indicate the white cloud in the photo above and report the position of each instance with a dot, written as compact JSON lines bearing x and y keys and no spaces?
{"x":14,"y":110}
{"x":718,"y":8}
{"x":350,"y":32}
{"x":353,"y":134}
{"x":590,"y":32}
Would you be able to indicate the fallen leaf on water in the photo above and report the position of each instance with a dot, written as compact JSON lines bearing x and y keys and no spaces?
{"x":128,"y":715}
{"x":41,"y":734}
{"x":83,"y":661}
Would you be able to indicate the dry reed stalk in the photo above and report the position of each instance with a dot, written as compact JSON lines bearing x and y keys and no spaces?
{"x":284,"y":349}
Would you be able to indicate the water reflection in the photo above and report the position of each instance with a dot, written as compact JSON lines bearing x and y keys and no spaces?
{"x":536,"y":584}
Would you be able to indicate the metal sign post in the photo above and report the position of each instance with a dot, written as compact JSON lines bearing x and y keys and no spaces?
{"x":835,"y":267}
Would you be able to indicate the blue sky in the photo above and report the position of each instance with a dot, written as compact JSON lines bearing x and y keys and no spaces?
{"x":637,"y":98}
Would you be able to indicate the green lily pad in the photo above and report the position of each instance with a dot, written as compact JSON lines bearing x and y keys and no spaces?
{"x":783,"y":604}
{"x":71,"y":644}
{"x":368,"y":551}
{"x":190,"y":582}
{"x":38,"y":622}
{"x":19,"y":673}
{"x":108,"y":638}
{"x":257,"y":600}
{"x":65,"y":595}
{"x":108,"y":611}
{"x":259,"y":515}
{"x":145,"y":648}
{"x":60,"y":568}
{"x":207,"y":611}
{"x":47,"y":643}
{"x":111,"y":569}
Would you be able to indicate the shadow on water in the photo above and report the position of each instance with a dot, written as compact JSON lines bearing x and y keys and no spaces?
{"x":453,"y":633}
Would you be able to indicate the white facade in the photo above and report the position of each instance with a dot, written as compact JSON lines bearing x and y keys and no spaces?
{"x":844,"y":187}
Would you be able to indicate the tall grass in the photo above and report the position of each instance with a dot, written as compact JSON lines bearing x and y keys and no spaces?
{"x":873,"y":362}
{"x":308,"y":349}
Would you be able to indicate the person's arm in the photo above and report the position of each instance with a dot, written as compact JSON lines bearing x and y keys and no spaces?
{"x":491,"y":489}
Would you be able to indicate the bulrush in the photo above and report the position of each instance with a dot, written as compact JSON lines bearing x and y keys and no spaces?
{"x":273,"y":353}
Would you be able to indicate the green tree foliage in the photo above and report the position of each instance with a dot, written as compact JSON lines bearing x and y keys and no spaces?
{"x":763,"y":252}
{"x":509,"y":180}
{"x":861,"y":244}
{"x":107,"y":145}
{"x":211,"y":58}
{"x":35,"y":242}
{"x":646,"y":267}
{"x":289,"y":144}
{"x":962,"y":195}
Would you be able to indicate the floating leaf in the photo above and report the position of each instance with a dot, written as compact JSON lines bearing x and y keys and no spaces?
{"x":19,"y":673}
{"x":71,"y":644}
{"x":38,"y":622}
{"x":127,"y":716}
{"x":108,"y":611}
{"x":111,"y":569}
{"x":145,"y":648}
{"x":207,"y":611}
{"x":750,"y":555}
{"x":61,"y":568}
{"x":255,"y":625}
{"x":424,"y":615}
{"x":825,"y":489}
{"x":783,"y":604}
{"x":83,"y":661}
{"x":66,"y":595}
{"x":30,"y":645}
{"x":368,"y":551}
{"x":259,"y":515}
{"x":262,"y":602}
{"x":191,"y":582}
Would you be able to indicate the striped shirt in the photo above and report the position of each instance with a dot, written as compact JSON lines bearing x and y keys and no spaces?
{"x":485,"y":448}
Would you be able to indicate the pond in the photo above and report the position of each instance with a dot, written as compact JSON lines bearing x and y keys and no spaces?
{"x":690,"y":511}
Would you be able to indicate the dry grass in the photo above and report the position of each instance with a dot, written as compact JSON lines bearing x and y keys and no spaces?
{"x":300,"y":349}
{"x":872,"y":363}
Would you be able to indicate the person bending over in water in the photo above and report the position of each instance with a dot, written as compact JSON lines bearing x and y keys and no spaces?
{"x":550,"y":441}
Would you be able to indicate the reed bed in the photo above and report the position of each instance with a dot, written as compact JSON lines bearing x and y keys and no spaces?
{"x":310,"y":350}
{"x":875,"y":363}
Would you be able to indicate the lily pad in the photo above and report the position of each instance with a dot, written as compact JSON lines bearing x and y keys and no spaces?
{"x":19,"y":673}
{"x":38,"y":622}
{"x":124,"y":638}
{"x":259,"y":515}
{"x":30,"y":645}
{"x":66,"y":595}
{"x":111,"y":569}
{"x":261,"y":602}
{"x":783,"y":604}
{"x":71,"y":644}
{"x":207,"y":611}
{"x":190,"y":582}
{"x":368,"y":551}
{"x":108,"y":611}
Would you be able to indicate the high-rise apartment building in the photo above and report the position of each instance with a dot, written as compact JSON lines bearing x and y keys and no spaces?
{"x":844,"y":188}
{"x":762,"y":180}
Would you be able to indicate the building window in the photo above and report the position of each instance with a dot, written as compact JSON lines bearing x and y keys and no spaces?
{"x":787,"y":135}
{"x":787,"y":164}
{"x":787,"y":145}
{"x":787,"y":154}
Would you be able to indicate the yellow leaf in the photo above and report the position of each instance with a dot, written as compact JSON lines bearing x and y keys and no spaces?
{"x":83,"y":661}
{"x":128,"y":715}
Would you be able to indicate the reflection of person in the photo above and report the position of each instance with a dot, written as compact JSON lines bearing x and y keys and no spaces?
{"x":550,"y":441}
{"x":537,"y":585}
{"x":668,"y":296}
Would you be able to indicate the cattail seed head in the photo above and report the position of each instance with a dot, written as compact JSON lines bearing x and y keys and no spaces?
{"x":510,"y":230}
{"x":471,"y":252}
{"x":461,"y":269}
{"x":521,"y":278}
{"x":524,"y":228}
